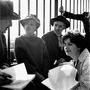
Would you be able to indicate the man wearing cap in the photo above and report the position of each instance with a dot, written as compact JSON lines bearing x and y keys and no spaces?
{"x":6,"y":17}
{"x":53,"y":40}
{"x":31,"y":50}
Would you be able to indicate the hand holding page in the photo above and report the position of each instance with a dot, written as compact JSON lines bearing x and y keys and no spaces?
{"x":19,"y":75}
{"x":18,"y":72}
{"x":61,"y":78}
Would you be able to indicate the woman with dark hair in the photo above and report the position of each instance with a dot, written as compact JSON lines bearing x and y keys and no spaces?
{"x":75,"y":47}
{"x":73,"y":38}
{"x":84,"y":17}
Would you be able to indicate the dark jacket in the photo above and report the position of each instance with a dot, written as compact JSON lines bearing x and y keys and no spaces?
{"x":33,"y":52}
{"x":55,"y":52}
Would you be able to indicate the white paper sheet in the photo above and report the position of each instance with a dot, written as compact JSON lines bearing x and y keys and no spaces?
{"x":20,"y":84}
{"x":18,"y":72}
{"x":19,"y":76}
{"x":61,"y":78}
{"x":47,"y":83}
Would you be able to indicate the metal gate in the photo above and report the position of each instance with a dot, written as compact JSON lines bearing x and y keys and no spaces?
{"x":45,"y":10}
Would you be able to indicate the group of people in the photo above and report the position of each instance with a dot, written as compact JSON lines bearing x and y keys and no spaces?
{"x":77,"y":47}
{"x":42,"y":54}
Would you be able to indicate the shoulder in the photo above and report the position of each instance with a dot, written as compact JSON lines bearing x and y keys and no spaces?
{"x":19,"y":37}
{"x":19,"y":40}
{"x":48,"y":34}
{"x":41,"y":40}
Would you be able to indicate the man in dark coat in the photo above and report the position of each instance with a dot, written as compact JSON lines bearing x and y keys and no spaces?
{"x":6,"y":17}
{"x":53,"y":41}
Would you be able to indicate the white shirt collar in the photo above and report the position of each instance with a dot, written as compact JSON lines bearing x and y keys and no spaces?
{"x":59,"y":35}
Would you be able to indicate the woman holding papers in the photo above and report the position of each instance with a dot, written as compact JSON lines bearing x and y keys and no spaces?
{"x":74,"y":46}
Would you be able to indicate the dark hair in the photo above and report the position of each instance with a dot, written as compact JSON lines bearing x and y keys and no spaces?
{"x":76,"y":38}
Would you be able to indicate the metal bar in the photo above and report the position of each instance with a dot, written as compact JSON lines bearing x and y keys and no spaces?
{"x":83,"y":10}
{"x":56,"y":8}
{"x":66,"y":5}
{"x":73,"y":12}
{"x":70,"y":6}
{"x":19,"y":11}
{"x":65,"y":8}
{"x":61,"y":2}
{"x":37,"y":13}
{"x":80,"y":12}
{"x":28,"y":7}
{"x":77,"y":13}
{"x":70,"y":11}
{"x":37,"y":8}
{"x":8,"y":53}
{"x":89,"y":5}
{"x":50,"y":16}
{"x":86,"y":5}
{"x":83,"y":5}
{"x":43,"y":16}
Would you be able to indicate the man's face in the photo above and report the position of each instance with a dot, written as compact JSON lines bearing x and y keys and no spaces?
{"x":59,"y":26}
{"x":4,"y":24}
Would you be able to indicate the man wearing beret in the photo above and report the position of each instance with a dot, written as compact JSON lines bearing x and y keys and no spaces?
{"x":53,"y":40}
{"x":6,"y":17}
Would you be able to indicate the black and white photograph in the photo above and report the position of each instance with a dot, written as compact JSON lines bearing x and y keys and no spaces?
{"x":44,"y":44}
